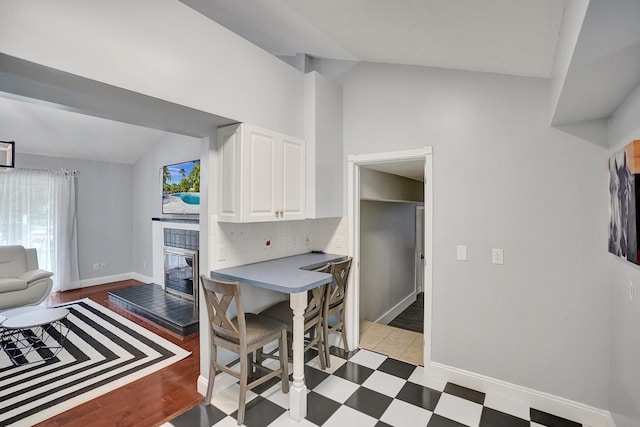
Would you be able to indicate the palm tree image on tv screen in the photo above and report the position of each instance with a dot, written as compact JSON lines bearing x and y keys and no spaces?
{"x":181,"y":188}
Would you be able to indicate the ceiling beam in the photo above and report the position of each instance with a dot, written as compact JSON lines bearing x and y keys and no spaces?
{"x":44,"y":85}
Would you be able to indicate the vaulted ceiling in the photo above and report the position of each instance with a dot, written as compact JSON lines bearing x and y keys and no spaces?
{"x":501,"y":36}
{"x":517,"y":37}
{"x":605,"y":64}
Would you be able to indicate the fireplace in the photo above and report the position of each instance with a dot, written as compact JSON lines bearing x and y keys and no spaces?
{"x":181,"y":272}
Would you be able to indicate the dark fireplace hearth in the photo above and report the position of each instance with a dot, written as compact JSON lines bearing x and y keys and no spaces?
{"x":153,"y":303}
{"x":172,"y":302}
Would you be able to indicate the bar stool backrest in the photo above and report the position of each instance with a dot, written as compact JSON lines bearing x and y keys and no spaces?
{"x":217,"y":307}
{"x":337,"y":291}
{"x":316,"y":296}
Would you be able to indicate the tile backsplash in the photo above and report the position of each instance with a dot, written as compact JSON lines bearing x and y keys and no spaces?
{"x":236,"y":244}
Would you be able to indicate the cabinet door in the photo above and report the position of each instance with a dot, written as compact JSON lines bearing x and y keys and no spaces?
{"x":293,"y":178}
{"x":260,"y":175}
{"x":229,"y":166}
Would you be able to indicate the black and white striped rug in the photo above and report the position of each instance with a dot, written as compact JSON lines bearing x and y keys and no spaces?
{"x":102,"y":351}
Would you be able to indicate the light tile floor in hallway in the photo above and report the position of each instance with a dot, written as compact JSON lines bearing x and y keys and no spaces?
{"x":393,"y":342}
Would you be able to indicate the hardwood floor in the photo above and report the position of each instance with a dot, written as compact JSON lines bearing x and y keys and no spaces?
{"x":412,"y":318}
{"x":149,"y":401}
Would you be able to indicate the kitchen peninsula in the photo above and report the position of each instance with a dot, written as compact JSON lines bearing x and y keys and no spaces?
{"x":289,"y":275}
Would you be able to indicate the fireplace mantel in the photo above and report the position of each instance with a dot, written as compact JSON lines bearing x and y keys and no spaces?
{"x":177,"y":220}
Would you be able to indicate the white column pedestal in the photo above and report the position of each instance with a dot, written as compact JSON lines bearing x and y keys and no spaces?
{"x":298,"y":391}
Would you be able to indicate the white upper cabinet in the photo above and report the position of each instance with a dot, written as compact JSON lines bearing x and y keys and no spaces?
{"x":261,"y":175}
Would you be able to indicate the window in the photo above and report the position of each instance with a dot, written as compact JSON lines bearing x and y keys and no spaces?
{"x":37,"y":210}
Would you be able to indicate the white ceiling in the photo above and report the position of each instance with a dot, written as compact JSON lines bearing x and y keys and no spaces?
{"x":518,"y":37}
{"x":412,"y":169}
{"x":515,"y":37}
{"x":502,"y":36}
{"x":605,"y":66}
{"x":40,"y":129}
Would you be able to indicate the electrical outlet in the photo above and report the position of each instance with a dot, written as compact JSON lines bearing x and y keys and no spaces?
{"x":268,"y":243}
{"x":103,"y":266}
{"x":631,"y":290}
{"x":96,"y":267}
{"x":338,"y":242}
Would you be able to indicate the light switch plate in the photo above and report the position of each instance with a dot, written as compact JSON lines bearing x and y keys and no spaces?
{"x":461,"y":253}
{"x":497,"y":256}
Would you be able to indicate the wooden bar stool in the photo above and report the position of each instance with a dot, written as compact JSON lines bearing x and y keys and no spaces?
{"x":334,"y":303}
{"x":243,"y":335}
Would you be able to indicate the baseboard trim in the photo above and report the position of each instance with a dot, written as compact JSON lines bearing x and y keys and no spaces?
{"x":397,"y":309}
{"x":335,"y":339}
{"x":141,"y":278}
{"x":113,"y":278}
{"x":566,"y":408}
{"x":201,"y":386}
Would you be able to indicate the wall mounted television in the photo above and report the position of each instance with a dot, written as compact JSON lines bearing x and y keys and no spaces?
{"x":181,"y":188}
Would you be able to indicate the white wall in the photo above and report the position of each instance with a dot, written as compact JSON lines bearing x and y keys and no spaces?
{"x":624,"y":398}
{"x":104,"y":212}
{"x":574,"y":13}
{"x":323,"y":145}
{"x":387,"y":256}
{"x":160,"y":48}
{"x":172,"y":53}
{"x":501,"y":176}
{"x":147,"y":193}
{"x":502,"y":179}
{"x":115,"y":205}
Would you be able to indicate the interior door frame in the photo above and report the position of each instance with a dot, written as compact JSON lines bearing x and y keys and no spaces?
{"x":354,"y":162}
{"x":419,"y":249}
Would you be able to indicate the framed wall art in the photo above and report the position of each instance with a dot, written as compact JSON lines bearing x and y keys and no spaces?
{"x":7,"y":154}
{"x":624,"y":191}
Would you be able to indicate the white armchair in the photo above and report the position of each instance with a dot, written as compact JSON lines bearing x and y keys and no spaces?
{"x":21,"y":281}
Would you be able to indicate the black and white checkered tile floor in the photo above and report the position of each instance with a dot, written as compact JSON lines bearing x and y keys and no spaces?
{"x":363,"y":389}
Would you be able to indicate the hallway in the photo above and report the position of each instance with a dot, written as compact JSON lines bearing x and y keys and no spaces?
{"x":394,"y":342}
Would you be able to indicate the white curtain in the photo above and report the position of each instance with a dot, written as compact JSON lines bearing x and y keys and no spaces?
{"x":38,"y":210}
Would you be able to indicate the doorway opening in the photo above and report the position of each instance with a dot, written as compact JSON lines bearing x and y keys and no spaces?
{"x":390,"y":222}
